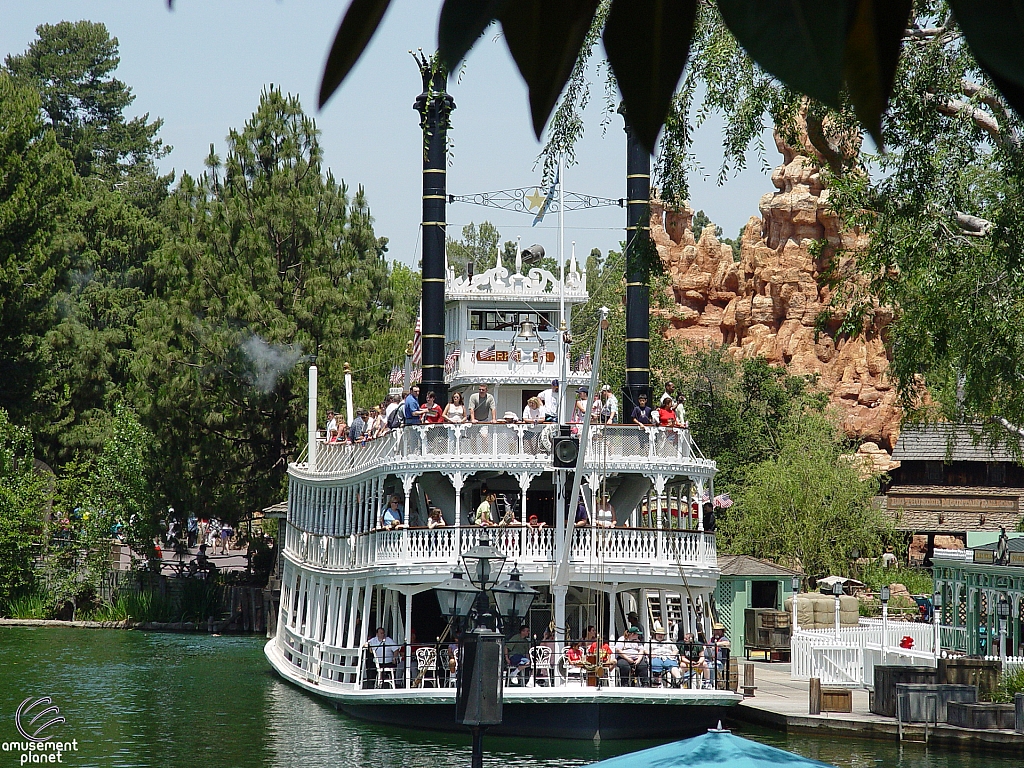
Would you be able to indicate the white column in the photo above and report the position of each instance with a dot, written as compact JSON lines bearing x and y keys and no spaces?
{"x":458,"y":480}
{"x":311,"y":420}
{"x":366,"y":629}
{"x":559,"y":519}
{"x":700,"y":506}
{"x":407,"y":481}
{"x":408,"y":641}
{"x":353,"y":613}
{"x":559,"y":592}
{"x":613,"y":612}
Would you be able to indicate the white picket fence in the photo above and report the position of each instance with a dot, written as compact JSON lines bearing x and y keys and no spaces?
{"x":1013,"y":663}
{"x":849,"y":658}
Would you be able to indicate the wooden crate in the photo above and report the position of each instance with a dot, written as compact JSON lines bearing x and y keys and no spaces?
{"x":836,"y":700}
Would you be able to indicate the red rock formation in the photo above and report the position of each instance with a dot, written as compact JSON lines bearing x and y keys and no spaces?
{"x":768,"y":302}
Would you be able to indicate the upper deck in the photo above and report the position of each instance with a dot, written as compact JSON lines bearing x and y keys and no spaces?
{"x":506,"y":448}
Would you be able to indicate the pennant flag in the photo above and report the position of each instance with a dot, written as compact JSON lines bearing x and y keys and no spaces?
{"x":547,"y":202}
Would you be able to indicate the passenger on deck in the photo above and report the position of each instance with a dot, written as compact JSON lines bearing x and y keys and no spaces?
{"x":455,"y":411}
{"x":393,"y":515}
{"x":533,"y":414}
{"x":483,"y":512}
{"x":716,"y":652}
{"x":607,"y":659}
{"x":357,"y":429}
{"x":534,"y":522}
{"x":432,"y":413}
{"x":392,"y":403}
{"x":332,"y":427}
{"x":693,"y":658}
{"x":436,"y":519}
{"x":609,"y":406}
{"x":482,"y":410}
{"x":375,"y":425}
{"x":631,"y":659}
{"x":604,"y":515}
{"x":642,"y":413}
{"x":582,"y":516}
{"x":412,"y":411}
{"x":517,"y":656}
{"x":549,"y":399}
{"x":664,"y":655}
{"x":384,"y":649}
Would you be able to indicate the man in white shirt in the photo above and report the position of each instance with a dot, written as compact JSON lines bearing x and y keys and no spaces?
{"x":392,"y":404}
{"x":609,"y":406}
{"x":670,"y":391}
{"x":384,"y":649}
{"x":631,"y":659}
{"x":332,"y":427}
{"x":549,"y":400}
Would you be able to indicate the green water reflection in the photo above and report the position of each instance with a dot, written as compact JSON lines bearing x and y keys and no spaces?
{"x":193,"y":701}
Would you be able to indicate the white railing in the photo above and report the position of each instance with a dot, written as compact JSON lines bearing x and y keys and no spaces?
{"x":413,"y":546}
{"x":608,"y":446}
{"x":849,"y":658}
{"x":318,"y":662}
{"x":1011,"y":664}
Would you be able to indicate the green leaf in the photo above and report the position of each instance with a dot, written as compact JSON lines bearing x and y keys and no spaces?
{"x":647,"y":42}
{"x":361,"y":20}
{"x":872,"y":52}
{"x":545,"y":38}
{"x":800,"y":42}
{"x":460,"y":26}
{"x":995,"y":31}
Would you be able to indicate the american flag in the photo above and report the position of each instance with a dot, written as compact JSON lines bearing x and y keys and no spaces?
{"x":417,"y":341}
{"x":489,"y":354}
{"x":722,"y":501}
{"x":516,"y":355}
{"x":585,"y":363}
{"x":417,"y":377}
{"x":397,"y":374}
{"x":450,"y":362}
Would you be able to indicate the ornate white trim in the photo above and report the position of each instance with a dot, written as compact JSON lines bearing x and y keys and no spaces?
{"x":498,"y":283}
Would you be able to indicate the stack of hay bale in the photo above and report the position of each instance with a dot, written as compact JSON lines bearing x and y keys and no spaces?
{"x":815,"y":610}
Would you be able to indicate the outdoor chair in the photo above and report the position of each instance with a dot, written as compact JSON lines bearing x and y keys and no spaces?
{"x":426,"y":660}
{"x":543,"y":669}
{"x":385,"y":673}
{"x":570,"y":670}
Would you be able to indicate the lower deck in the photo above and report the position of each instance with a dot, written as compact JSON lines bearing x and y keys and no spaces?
{"x":572,"y":711}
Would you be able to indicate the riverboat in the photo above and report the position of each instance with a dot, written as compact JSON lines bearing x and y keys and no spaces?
{"x":344,"y":573}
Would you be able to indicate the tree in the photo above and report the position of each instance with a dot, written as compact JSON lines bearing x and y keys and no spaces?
{"x":37,"y":185}
{"x":71,"y":66}
{"x":479,"y":245}
{"x":23,"y":495}
{"x":807,"y":505}
{"x":266,"y":261}
{"x":109,"y":234}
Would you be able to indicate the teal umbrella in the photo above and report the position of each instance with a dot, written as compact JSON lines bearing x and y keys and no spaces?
{"x":715,"y":749}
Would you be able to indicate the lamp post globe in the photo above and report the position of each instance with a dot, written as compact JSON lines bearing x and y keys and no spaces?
{"x":456,"y":596}
{"x":483,"y":564}
{"x":513,"y":597}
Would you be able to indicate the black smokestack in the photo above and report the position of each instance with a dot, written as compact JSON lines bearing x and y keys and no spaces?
{"x":638,"y":246}
{"x":435,"y":107}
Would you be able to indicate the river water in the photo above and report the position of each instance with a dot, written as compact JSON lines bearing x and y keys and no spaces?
{"x":195,"y":701}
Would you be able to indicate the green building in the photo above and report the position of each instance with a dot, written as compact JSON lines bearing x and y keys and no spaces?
{"x":748,"y":582}
{"x":972,"y":583}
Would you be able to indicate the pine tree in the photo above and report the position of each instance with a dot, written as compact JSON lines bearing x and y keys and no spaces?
{"x":267,"y":262}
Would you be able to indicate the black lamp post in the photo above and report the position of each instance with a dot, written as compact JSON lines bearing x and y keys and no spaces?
{"x":481,"y":651}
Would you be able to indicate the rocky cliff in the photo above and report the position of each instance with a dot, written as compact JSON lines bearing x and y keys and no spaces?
{"x":768,"y":302}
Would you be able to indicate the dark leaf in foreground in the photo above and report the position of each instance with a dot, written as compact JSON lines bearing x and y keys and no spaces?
{"x":545,"y":39}
{"x":995,"y":31}
{"x":872,"y":52}
{"x":647,"y":42}
{"x":801,"y":42}
{"x":361,"y":20}
{"x":460,"y":26}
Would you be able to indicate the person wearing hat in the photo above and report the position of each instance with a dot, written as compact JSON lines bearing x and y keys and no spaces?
{"x":664,"y":657}
{"x":716,"y":652}
{"x":693,"y":657}
{"x":631,"y":659}
{"x":549,"y":399}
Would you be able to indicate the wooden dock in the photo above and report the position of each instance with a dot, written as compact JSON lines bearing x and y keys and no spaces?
{"x":782,"y":703}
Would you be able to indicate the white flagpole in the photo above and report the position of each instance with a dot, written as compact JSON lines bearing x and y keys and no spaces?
{"x":561,"y":290}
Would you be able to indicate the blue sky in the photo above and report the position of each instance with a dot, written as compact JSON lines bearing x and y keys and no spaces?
{"x":201,"y":68}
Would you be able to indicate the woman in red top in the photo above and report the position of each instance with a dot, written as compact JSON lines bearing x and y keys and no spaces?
{"x":431,"y":410}
{"x":666,"y":415}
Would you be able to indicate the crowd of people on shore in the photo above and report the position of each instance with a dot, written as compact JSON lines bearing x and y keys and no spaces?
{"x":396,"y":412}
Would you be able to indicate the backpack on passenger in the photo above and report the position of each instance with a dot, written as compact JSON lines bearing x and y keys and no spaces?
{"x":396,"y":420}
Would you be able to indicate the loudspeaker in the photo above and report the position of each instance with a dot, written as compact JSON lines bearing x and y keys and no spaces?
{"x":565,"y":448}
